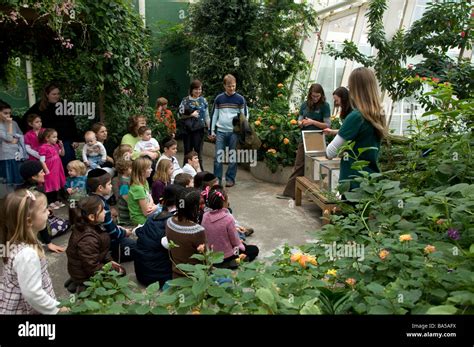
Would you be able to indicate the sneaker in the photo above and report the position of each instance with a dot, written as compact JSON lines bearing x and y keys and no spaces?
{"x":67,"y":283}
{"x":284,"y":197}
{"x":229,"y":184}
{"x":53,"y":206}
{"x":59,"y":204}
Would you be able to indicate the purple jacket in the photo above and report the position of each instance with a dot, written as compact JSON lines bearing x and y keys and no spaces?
{"x":221,"y":233}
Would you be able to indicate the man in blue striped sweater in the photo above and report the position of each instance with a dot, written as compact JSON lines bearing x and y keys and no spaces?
{"x":227,"y":106}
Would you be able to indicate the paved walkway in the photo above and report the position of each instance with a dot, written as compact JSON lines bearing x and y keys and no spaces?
{"x":253,"y":203}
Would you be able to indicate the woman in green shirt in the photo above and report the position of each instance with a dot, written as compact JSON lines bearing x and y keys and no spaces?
{"x":365,"y":125}
{"x":314,"y":115}
{"x":132,"y":138}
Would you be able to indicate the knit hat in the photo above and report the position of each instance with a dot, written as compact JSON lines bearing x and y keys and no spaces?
{"x":30,"y":168}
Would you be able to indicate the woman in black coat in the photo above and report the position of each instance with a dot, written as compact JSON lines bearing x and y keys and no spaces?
{"x":64,"y":123}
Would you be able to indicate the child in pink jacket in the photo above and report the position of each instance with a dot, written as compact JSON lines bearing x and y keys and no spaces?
{"x":221,"y":233}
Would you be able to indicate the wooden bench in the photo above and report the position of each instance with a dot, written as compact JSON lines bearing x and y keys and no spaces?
{"x":311,"y":189}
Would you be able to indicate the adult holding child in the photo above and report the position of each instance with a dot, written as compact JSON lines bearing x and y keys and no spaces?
{"x":227,"y":106}
{"x":315,"y":114}
{"x":63,"y":122}
{"x":101,"y":135}
{"x":132,"y":137}
{"x":194,"y":112}
{"x":365,"y":125}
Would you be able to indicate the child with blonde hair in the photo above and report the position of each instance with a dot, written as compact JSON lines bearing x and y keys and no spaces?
{"x":123,"y":152}
{"x":93,"y":152}
{"x":161,"y":179}
{"x":76,"y":183}
{"x":27,"y":287}
{"x":140,"y":202}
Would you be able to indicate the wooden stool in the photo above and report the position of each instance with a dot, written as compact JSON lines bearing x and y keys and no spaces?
{"x":312,"y":190}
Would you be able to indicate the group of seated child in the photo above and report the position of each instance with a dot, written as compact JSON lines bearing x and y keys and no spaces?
{"x":184,"y":206}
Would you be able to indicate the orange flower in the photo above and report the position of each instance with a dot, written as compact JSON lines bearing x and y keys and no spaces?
{"x":383,"y":254}
{"x":286,"y":141}
{"x":271,"y":150}
{"x":405,"y":237}
{"x":272,"y":127}
{"x":295,"y":257}
{"x":293,"y":122}
{"x":430,"y":249}
{"x":196,"y":311}
{"x":280,"y":95}
{"x":435,"y":80}
{"x":351,"y":281}
{"x":257,"y":123}
{"x":440,"y":221}
{"x":280,"y":85}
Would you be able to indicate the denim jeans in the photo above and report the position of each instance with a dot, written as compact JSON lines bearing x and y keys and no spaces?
{"x":224,"y":140}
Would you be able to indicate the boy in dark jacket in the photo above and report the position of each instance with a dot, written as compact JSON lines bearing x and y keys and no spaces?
{"x":152,"y":261}
{"x":99,"y":183}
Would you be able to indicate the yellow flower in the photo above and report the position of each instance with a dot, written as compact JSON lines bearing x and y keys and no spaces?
{"x":293,"y":122}
{"x":332,"y":272}
{"x":196,"y":311}
{"x":257,"y":123}
{"x":430,"y":249}
{"x":405,"y":237}
{"x":351,"y":281}
{"x":383,"y":254}
{"x":286,"y":141}
{"x":312,"y":260}
{"x":280,"y":85}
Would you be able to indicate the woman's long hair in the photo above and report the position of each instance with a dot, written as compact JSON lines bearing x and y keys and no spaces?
{"x":365,"y":97}
{"x":44,"y":95}
{"x":345,"y":105}
{"x":315,"y":88}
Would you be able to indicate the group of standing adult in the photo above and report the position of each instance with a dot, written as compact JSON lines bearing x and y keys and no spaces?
{"x":363,"y":120}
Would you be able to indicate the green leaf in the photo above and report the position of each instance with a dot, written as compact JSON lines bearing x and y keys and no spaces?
{"x":92,"y":305}
{"x":443,"y":309}
{"x":164,"y":299}
{"x":181,"y":282}
{"x":200,"y":286}
{"x":310,"y":307}
{"x":266,"y":296}
{"x":375,"y":288}
{"x":159,"y":310}
{"x":216,"y":291}
{"x":143,"y":309}
{"x":378,"y":309}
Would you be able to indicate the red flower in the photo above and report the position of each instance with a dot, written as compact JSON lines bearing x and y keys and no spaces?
{"x":435,"y":80}
{"x":463,"y":33}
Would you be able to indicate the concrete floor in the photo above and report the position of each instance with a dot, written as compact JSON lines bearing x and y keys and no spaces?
{"x":276,"y":222}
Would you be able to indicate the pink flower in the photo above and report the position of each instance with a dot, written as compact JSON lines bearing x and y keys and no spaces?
{"x":108,"y":54}
{"x":410,"y":66}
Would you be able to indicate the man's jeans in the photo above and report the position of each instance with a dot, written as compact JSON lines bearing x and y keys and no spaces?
{"x":224,"y":140}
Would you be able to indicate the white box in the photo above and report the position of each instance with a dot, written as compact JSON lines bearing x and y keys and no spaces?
{"x":312,"y":163}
